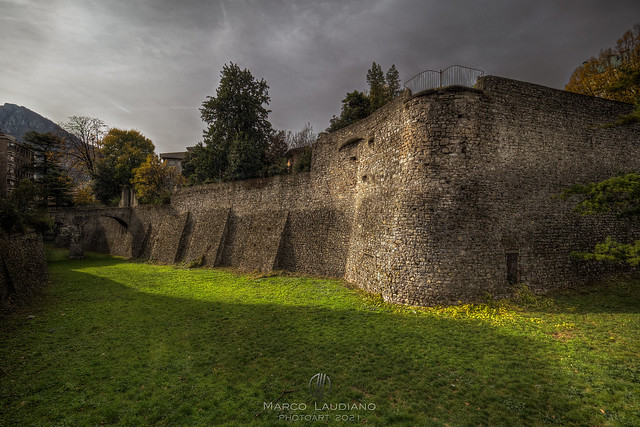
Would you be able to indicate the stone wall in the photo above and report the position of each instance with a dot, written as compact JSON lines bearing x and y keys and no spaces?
{"x":435,"y":198}
{"x":23,"y":268}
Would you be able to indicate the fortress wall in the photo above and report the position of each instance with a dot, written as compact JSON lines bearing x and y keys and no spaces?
{"x":436,"y":198}
{"x":543,"y":140}
{"x":375,"y":150}
{"x":107,"y":235}
{"x":288,"y":222}
{"x":23,"y":268}
{"x":470,"y":183}
{"x":438,"y":256}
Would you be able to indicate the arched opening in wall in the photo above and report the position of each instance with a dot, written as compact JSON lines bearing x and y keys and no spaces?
{"x":512,"y":267}
{"x":107,"y":234}
{"x":349,"y":144}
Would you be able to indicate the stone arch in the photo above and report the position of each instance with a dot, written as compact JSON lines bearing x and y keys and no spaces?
{"x":106,"y":233}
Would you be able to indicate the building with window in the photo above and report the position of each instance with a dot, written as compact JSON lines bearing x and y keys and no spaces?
{"x":174,"y":159}
{"x":15,"y":163}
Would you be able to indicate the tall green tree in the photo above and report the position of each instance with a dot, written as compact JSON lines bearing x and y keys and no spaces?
{"x":238,"y":131}
{"x":122,"y":152}
{"x":378,"y":95}
{"x":358,"y":105}
{"x":394,"y":88}
{"x":355,"y":106}
{"x":52,"y":180}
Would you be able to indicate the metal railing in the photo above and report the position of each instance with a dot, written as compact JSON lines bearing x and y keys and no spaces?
{"x":455,"y":75}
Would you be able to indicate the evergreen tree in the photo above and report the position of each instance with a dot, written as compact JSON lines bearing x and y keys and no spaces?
{"x":393,"y":83}
{"x":53,"y":181}
{"x":355,"y":106}
{"x":377,"y":88}
{"x":238,"y":131}
{"x":358,"y":105}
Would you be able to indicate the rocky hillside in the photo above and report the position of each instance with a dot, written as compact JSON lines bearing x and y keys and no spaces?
{"x":16,"y":120}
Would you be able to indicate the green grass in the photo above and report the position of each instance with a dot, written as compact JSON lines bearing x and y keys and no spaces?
{"x":117,"y":342}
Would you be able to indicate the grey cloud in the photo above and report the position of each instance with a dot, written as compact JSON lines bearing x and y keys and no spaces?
{"x":159,"y":59}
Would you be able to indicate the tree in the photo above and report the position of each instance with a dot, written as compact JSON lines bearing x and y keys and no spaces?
{"x":358,"y":105}
{"x":197,"y":164}
{"x":303,"y":138}
{"x":82,"y":151}
{"x":238,"y":129}
{"x":122,"y":151}
{"x":613,"y":74}
{"x":278,"y":146}
{"x":355,"y":106}
{"x":276,"y":162}
{"x":393,"y":82}
{"x":619,"y":195}
{"x":154,"y":180}
{"x":53,"y":182}
{"x":378,"y":95}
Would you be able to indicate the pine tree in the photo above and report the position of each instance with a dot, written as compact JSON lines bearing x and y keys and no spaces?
{"x":393,"y":82}
{"x":52,"y":180}
{"x":377,"y":88}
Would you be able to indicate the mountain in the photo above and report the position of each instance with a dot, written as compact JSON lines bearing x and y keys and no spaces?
{"x":16,"y":120}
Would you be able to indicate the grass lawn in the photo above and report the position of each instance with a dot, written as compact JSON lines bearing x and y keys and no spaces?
{"x":117,"y":342}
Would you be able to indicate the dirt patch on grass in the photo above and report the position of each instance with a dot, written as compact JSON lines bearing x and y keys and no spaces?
{"x":563,"y":336}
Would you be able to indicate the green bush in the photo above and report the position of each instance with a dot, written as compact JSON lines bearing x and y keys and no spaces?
{"x":304,"y":163}
{"x":41,"y":222}
{"x":11,"y":221}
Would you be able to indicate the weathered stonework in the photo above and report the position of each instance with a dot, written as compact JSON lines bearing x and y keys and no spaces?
{"x":435,"y":198}
{"x":23,"y":268}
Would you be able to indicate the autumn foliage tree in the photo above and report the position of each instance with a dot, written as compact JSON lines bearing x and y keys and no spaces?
{"x":614,"y":74}
{"x":122,"y":152}
{"x":154,"y":180}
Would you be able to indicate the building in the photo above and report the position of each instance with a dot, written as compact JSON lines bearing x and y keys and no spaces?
{"x":174,"y":159}
{"x":15,"y":163}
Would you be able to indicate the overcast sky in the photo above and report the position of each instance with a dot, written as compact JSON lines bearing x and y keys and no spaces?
{"x":149,"y":64}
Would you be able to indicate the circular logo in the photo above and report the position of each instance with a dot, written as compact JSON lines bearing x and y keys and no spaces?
{"x":319,"y":386}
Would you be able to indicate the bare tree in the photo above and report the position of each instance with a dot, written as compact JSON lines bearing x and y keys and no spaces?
{"x":303,"y":138}
{"x":82,"y":151}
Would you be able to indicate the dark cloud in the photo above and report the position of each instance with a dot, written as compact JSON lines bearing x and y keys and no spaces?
{"x":149,"y":64}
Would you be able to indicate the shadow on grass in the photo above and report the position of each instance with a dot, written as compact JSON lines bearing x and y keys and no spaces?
{"x":616,"y":295}
{"x":102,"y":352}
